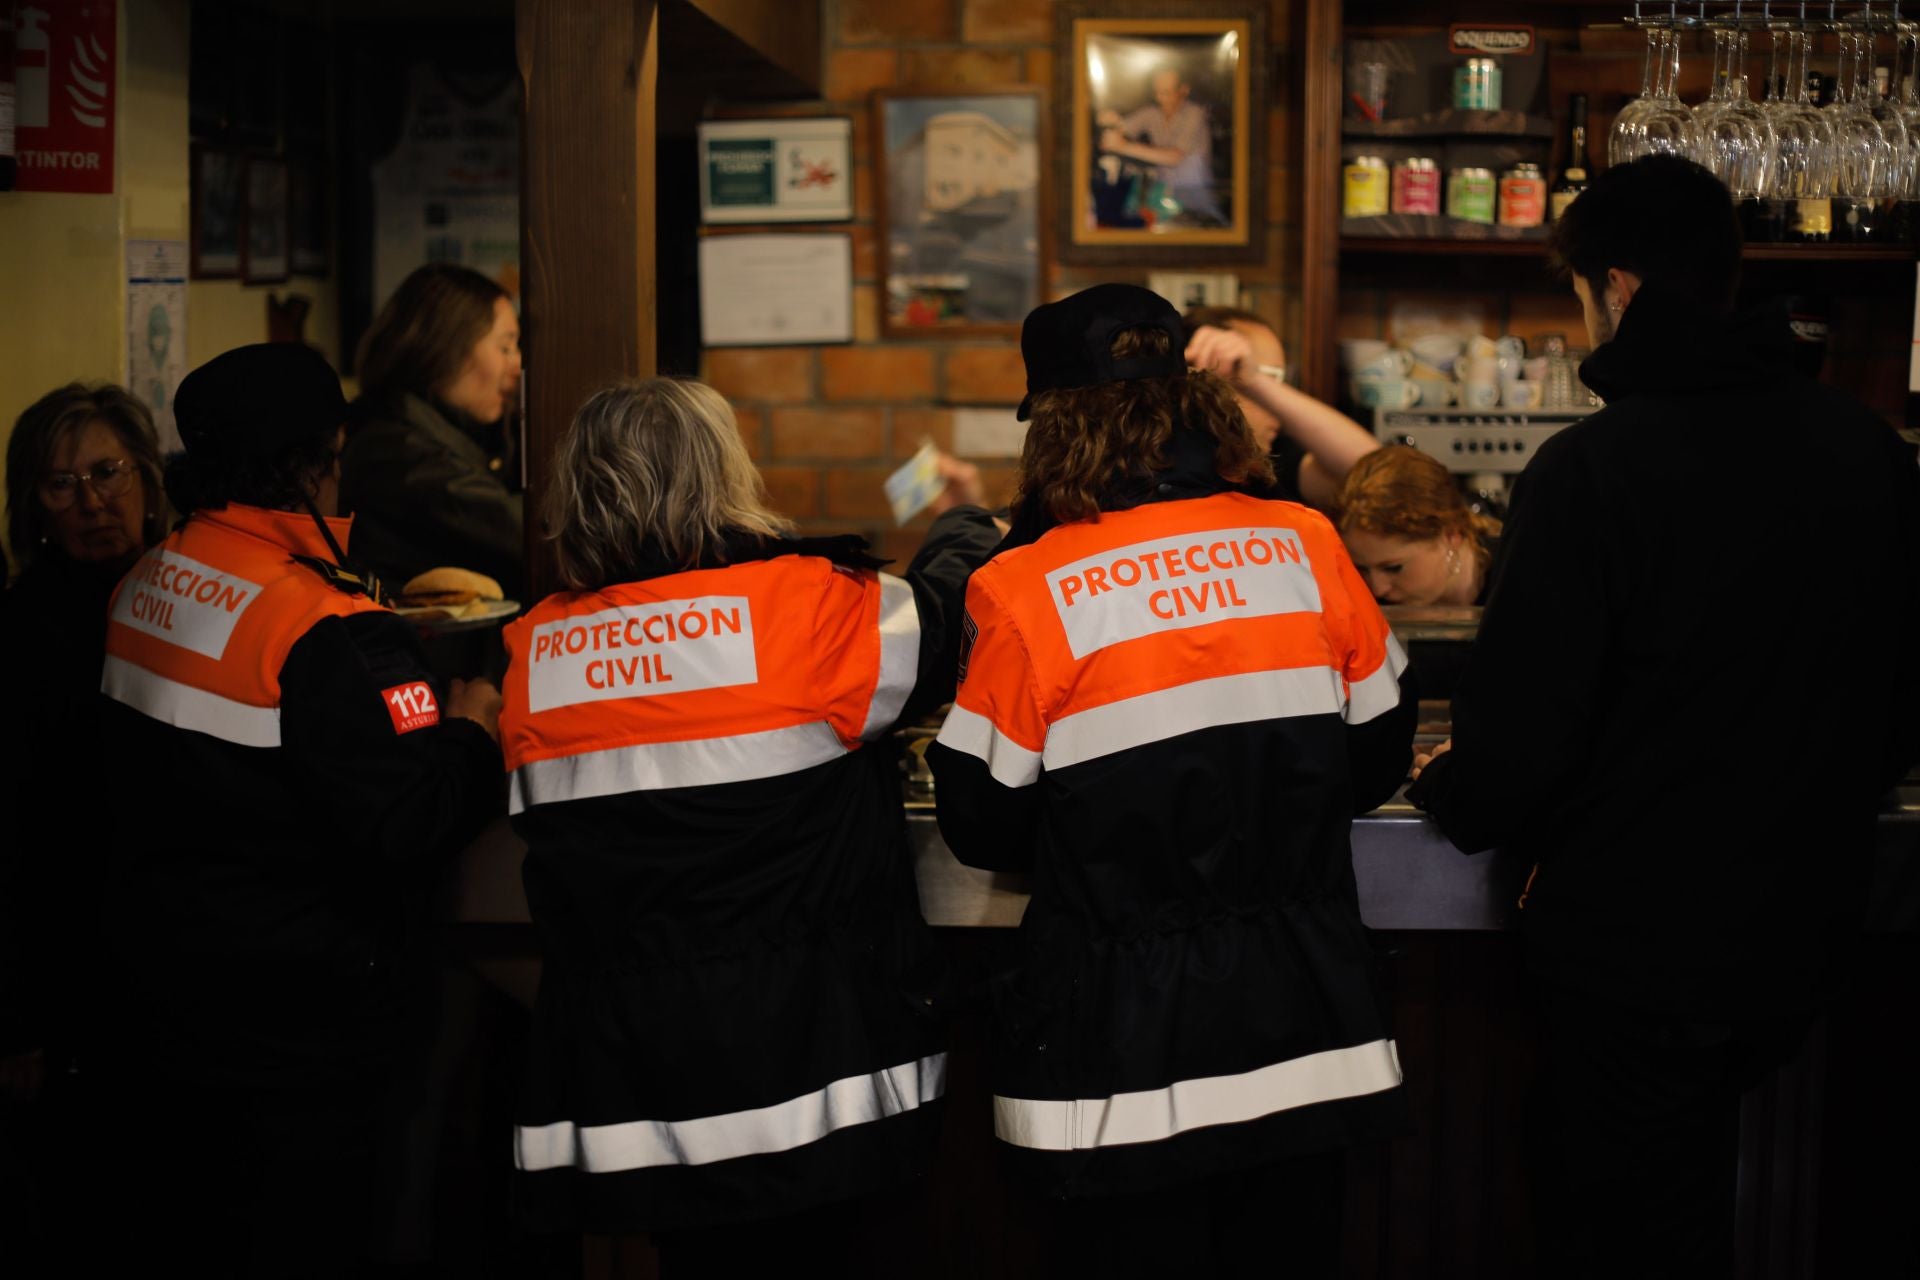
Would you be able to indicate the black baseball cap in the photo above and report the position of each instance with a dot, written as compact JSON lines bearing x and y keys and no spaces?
{"x":253,"y":402}
{"x":1069,"y":343}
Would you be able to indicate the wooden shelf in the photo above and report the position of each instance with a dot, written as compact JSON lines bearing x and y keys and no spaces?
{"x":1828,"y":253}
{"x":1424,"y":246}
{"x":1452,"y":122}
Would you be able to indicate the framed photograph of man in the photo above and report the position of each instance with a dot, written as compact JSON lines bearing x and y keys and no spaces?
{"x":1161,"y":129}
{"x":962,"y":210}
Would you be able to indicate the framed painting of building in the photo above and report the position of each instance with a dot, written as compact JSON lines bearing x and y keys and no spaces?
{"x":962,"y":210}
{"x":1160,"y":146}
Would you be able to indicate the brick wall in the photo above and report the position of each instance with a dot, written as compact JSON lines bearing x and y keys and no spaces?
{"x":827,"y":423}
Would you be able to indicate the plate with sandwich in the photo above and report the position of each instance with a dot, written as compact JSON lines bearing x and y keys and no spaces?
{"x":450,"y":599}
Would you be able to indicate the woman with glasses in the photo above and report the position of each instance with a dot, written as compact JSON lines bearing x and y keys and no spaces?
{"x":83,"y":501}
{"x":1313,"y":445}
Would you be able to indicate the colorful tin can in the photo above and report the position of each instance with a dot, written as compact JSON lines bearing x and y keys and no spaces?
{"x":1523,"y":196}
{"x":1470,"y":195}
{"x":1477,"y":85}
{"x":1366,"y":194}
{"x":1416,"y":186}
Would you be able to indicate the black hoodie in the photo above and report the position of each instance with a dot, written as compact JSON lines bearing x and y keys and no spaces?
{"x":1691,"y":686}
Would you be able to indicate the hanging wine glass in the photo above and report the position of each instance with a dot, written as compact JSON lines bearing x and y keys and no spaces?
{"x":1716,"y":100}
{"x":1802,"y":164}
{"x":1863,"y":158}
{"x":1907,"y":93}
{"x":1861,"y":152}
{"x":1667,"y":127}
{"x":1731,"y":135}
{"x":1626,"y":139}
{"x":1885,"y":110}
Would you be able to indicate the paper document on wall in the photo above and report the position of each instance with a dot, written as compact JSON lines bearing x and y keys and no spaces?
{"x":765,"y":290}
{"x":157,"y":329}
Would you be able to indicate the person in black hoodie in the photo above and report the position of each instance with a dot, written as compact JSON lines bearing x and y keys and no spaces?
{"x":1620,"y":702}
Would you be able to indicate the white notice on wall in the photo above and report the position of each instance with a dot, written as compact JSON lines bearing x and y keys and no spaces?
{"x":1913,"y":368}
{"x":157,"y":329}
{"x":767,"y":290}
{"x":988,"y":433}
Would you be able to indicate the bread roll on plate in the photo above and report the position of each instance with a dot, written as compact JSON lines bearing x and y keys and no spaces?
{"x":457,"y":593}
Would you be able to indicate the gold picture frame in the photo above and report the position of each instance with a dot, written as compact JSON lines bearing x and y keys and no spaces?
{"x":1157,"y":98}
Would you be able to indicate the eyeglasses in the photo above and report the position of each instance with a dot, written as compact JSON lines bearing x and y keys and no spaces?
{"x":109,"y":479}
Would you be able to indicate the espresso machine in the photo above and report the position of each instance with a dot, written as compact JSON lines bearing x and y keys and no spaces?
{"x":1484,"y":448}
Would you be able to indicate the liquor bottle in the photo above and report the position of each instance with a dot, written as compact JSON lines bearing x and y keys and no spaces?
{"x":7,"y":163}
{"x":1573,"y":175}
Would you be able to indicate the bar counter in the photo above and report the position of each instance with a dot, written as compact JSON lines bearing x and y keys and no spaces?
{"x":1451,"y":1196}
{"x":1409,"y":877}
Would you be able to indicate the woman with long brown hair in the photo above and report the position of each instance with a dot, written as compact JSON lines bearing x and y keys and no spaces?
{"x":1174,"y":697}
{"x":428,"y":473}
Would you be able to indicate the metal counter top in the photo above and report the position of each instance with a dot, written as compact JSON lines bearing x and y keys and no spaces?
{"x":1408,"y":875}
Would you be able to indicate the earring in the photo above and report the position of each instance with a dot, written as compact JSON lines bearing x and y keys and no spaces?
{"x":1453,"y":562}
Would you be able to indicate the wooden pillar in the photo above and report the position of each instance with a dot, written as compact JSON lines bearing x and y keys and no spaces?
{"x":1320,"y":181}
{"x":589,"y":72}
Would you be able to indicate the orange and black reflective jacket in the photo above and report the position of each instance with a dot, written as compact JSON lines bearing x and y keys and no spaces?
{"x":286,"y":788}
{"x":1171,"y":714}
{"x":737,"y":1013}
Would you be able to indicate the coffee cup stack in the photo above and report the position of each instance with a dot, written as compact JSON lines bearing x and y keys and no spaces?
{"x":1438,"y":370}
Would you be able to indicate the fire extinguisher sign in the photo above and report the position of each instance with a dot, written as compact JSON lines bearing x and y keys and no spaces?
{"x":64,"y":84}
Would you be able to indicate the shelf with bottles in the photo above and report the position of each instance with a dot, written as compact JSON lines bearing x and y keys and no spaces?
{"x":1429,"y":246}
{"x":1452,"y":122}
{"x":1502,"y":242}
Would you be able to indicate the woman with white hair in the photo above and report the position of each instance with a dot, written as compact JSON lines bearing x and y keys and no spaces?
{"x":739,"y":1019}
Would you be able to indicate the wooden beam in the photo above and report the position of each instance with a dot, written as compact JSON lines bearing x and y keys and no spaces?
{"x":785,"y":34}
{"x":1320,"y":182}
{"x":589,"y":70}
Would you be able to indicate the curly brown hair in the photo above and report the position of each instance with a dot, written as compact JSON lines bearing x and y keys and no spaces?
{"x":1400,"y":492}
{"x":1084,"y":442}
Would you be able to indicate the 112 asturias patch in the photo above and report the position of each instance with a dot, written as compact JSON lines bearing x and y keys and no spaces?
{"x":412,"y":706}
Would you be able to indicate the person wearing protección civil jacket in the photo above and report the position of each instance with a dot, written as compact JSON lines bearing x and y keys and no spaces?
{"x":738,"y":1017}
{"x":291,"y":779}
{"x":1174,"y":697}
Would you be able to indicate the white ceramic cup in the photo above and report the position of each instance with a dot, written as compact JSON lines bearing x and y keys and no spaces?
{"x":1435,"y":393}
{"x":1385,"y":393}
{"x":1480,"y":369}
{"x":1522,"y":395}
{"x":1437,"y":348}
{"x":1388,"y":364}
{"x":1357,"y":353}
{"x":1480,"y":345}
{"x":1479,"y":394}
